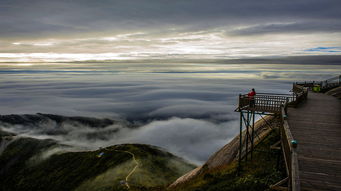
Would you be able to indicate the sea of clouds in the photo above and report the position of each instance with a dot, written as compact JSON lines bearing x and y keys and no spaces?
{"x":185,"y":108}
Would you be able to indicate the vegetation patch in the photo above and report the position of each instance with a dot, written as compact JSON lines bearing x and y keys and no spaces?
{"x":266,"y":168}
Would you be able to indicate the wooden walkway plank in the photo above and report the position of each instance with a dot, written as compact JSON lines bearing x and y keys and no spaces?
{"x":316,"y":125}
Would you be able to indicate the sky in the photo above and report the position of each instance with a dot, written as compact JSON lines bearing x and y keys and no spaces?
{"x":174,"y":68}
{"x":82,"y":30}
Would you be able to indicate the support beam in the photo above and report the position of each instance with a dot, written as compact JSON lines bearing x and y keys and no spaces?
{"x":278,"y":186}
{"x":240,"y":143}
{"x":247,"y":136}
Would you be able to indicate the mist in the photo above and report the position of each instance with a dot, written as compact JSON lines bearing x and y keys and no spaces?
{"x":185,"y":108}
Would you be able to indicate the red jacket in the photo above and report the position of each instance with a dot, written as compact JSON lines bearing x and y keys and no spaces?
{"x":251,"y":95}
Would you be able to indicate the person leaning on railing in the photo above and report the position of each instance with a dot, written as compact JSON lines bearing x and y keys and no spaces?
{"x":251,"y":95}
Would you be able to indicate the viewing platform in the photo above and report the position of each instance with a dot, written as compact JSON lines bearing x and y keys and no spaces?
{"x":310,"y":133}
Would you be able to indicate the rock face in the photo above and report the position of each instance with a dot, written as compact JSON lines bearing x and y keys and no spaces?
{"x":336,"y":92}
{"x":229,"y":152}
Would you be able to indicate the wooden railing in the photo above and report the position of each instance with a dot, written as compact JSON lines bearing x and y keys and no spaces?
{"x":300,"y":94}
{"x":266,"y":102}
{"x":289,"y":150}
{"x":324,"y":85}
{"x":289,"y":144}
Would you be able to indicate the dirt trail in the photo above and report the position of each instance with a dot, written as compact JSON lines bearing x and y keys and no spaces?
{"x":133,"y":170}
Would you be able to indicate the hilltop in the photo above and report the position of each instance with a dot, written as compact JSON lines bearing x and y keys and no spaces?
{"x":34,"y":164}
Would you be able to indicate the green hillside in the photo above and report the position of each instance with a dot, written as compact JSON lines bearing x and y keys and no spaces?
{"x":25,"y":166}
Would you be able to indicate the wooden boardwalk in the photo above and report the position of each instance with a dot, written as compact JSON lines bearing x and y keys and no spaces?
{"x":316,"y":125}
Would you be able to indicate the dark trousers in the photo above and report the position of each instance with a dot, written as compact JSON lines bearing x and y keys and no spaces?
{"x":252,"y":103}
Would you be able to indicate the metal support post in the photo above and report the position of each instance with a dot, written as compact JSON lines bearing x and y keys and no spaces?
{"x":240,"y":142}
{"x":247,"y":135}
{"x":253,"y":132}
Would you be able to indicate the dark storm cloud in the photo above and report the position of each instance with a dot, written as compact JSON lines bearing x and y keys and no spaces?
{"x":21,"y":17}
{"x":303,"y":27}
{"x":301,"y":60}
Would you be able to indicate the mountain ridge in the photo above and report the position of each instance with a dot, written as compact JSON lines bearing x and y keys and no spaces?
{"x":45,"y":164}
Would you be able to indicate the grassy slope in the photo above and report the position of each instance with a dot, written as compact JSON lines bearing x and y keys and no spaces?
{"x":256,"y":175}
{"x":155,"y":171}
{"x":86,"y":171}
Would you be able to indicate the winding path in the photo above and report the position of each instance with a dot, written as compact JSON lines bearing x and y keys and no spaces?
{"x":133,"y":170}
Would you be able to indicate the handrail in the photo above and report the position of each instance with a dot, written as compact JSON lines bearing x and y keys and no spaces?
{"x":325,"y":84}
{"x":301,"y":93}
{"x":289,"y":145}
{"x":265,"y":102}
{"x":265,"y":93}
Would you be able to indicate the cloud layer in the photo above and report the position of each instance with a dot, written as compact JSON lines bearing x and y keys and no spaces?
{"x":193,"y":139}
{"x":187,"y":108}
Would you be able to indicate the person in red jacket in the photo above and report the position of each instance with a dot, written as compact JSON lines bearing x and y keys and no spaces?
{"x":251,"y":96}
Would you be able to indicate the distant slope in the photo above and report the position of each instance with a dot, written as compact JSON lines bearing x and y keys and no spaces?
{"x":74,"y":129}
{"x":26,"y":164}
